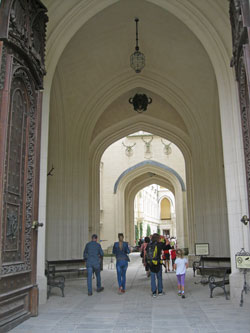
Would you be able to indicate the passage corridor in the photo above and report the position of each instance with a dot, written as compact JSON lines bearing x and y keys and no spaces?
{"x":136,"y":310}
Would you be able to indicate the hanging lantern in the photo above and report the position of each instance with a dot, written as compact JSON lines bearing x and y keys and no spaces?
{"x":137,"y":59}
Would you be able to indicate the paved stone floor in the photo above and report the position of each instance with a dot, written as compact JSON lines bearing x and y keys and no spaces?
{"x":136,"y":310}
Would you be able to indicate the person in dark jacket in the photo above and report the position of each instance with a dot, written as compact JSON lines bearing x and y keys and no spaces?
{"x":155,"y":265}
{"x":121,"y":251}
{"x":166,"y":255}
{"x":143,"y":255}
{"x":93,"y":255}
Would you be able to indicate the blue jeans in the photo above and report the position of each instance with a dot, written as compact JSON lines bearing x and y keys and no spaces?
{"x":153,"y":281}
{"x":97,"y":271}
{"x":121,"y":268}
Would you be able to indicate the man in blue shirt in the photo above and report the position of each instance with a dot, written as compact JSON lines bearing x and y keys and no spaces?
{"x":93,"y":255}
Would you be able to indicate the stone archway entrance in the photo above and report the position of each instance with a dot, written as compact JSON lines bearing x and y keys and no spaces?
{"x":96,"y":113}
{"x":207,"y":29}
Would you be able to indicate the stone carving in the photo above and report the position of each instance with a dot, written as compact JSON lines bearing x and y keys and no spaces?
{"x":129,"y":149}
{"x":167,"y":149}
{"x":148,"y":154}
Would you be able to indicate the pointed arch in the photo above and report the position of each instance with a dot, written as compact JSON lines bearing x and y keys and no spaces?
{"x":152,"y":163}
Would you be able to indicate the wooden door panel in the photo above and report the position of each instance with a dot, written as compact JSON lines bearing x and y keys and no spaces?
{"x":18,"y":205}
{"x":240,"y":23}
{"x":15,"y":186}
{"x":21,"y":79}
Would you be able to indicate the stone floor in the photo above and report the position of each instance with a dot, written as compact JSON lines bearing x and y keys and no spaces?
{"x":136,"y":310}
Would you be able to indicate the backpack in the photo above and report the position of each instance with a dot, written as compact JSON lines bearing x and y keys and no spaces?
{"x":152,"y":255}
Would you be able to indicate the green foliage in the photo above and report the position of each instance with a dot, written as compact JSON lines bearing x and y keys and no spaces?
{"x":136,"y":234}
{"x":148,"y":230}
{"x":141,"y":231}
{"x":158,"y":230}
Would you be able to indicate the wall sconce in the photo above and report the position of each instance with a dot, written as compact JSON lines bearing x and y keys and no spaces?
{"x":50,"y":171}
{"x":244,"y":219}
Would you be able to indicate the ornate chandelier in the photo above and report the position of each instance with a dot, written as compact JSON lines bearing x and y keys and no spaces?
{"x":137,"y":59}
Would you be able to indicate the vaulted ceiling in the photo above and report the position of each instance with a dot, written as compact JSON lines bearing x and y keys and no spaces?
{"x":98,"y":56}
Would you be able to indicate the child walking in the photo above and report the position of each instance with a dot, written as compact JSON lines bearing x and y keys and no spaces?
{"x":180,"y":266}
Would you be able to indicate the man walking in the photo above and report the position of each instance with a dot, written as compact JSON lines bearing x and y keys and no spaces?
{"x":93,"y":255}
{"x":153,"y":255}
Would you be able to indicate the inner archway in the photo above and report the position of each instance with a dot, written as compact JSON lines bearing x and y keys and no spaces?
{"x":154,"y":212}
{"x":166,"y":181}
{"x":123,"y":174}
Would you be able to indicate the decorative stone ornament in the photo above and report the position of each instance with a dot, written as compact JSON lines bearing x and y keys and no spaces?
{"x":167,"y":149}
{"x":129,"y":149}
{"x":140,"y":102}
{"x":148,"y":154}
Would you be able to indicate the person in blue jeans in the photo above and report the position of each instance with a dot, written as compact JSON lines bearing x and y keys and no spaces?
{"x":121,"y":251}
{"x":155,"y":264}
{"x":92,"y":255}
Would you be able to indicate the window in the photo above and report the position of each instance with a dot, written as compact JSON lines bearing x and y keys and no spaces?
{"x":165,"y":209}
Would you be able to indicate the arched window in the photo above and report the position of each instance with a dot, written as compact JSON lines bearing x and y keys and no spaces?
{"x":165,"y":209}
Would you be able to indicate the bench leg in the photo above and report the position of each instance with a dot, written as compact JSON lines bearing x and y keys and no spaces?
{"x":211,"y":292}
{"x":48,"y":292}
{"x":224,"y":288}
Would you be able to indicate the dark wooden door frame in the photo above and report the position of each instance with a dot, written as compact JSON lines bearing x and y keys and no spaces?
{"x":22,"y":45}
{"x":240,"y":23}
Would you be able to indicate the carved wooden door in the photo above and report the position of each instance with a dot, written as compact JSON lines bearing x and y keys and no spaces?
{"x":22,"y":41}
{"x":240,"y":22}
